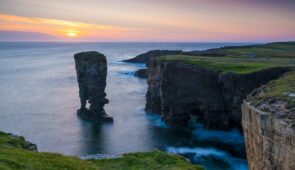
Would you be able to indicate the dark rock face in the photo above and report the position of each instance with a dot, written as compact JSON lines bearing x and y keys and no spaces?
{"x":142,"y":73}
{"x":177,"y":91}
{"x":91,"y":69}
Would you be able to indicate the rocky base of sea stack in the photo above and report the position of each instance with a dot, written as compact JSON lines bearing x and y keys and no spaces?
{"x":93,"y":117}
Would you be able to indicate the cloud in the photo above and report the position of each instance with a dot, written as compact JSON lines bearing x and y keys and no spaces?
{"x":59,"y":28}
{"x":16,"y":36}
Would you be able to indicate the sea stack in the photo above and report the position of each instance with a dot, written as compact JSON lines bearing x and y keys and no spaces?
{"x":91,"y":69}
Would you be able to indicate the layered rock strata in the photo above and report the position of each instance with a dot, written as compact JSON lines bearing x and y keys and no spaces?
{"x":91,"y":69}
{"x":269,"y":133}
{"x":177,"y":90}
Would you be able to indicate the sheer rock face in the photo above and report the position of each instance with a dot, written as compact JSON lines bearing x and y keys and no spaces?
{"x":270,"y":143}
{"x":91,"y":69}
{"x":177,"y":91}
{"x":141,"y":73}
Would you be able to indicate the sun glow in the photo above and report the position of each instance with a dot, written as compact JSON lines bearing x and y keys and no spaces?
{"x":64,"y":30}
{"x":71,"y":34}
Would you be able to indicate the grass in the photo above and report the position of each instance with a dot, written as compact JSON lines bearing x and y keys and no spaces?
{"x":147,"y":160}
{"x":281,"y":89}
{"x":227,"y":64}
{"x":271,"y":50}
{"x":242,"y":59}
{"x":13,"y":155}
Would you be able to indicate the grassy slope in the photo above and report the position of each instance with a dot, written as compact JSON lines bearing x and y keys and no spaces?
{"x":14,"y":156}
{"x":244,"y":59}
{"x":280,"y":89}
{"x":277,"y":97}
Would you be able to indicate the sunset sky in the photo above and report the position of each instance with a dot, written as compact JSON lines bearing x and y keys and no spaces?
{"x":147,"y":20}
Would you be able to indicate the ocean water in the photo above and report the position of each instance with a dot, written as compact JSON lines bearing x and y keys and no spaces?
{"x":39,"y":100}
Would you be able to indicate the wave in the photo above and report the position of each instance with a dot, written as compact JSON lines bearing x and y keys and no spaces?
{"x":202,"y":155}
{"x":231,"y":137}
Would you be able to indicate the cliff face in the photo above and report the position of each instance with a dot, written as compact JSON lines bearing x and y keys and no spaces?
{"x":269,"y":143}
{"x":269,"y":125}
{"x":91,"y":68}
{"x":178,"y":90}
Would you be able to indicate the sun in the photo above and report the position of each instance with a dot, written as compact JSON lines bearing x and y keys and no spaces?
{"x":71,"y":34}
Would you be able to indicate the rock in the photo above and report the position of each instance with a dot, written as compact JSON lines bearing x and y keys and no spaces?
{"x":268,"y":121}
{"x":177,"y":90}
{"x":142,"y":73}
{"x":91,"y":69}
{"x":270,"y":144}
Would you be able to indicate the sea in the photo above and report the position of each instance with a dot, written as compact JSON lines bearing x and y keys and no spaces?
{"x":39,"y":100}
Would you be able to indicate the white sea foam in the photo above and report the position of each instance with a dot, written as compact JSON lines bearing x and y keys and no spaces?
{"x":201,"y":153}
{"x":100,"y":156}
{"x":234,"y":136}
{"x":157,"y":121}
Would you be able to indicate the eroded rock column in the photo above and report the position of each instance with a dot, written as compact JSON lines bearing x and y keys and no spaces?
{"x":91,"y":69}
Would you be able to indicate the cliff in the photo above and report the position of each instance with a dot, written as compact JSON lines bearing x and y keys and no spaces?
{"x":148,"y":56}
{"x":14,"y":154}
{"x":269,"y":125}
{"x":91,"y":69}
{"x":141,"y":73}
{"x":212,"y":84}
{"x":178,"y":90}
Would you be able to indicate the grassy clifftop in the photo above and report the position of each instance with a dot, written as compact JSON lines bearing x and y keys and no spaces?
{"x":241,"y":59}
{"x":13,"y":155}
{"x":278,"y":98}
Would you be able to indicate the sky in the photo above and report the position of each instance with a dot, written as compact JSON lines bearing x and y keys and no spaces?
{"x":147,"y":20}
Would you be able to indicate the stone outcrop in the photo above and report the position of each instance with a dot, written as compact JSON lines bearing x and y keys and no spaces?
{"x":269,"y":134}
{"x":142,"y":73}
{"x":177,"y":90}
{"x":91,"y":69}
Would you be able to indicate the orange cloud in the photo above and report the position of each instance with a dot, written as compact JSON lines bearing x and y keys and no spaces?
{"x":59,"y":28}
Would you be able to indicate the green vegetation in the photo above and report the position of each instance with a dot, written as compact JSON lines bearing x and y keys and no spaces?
{"x":224,"y":64}
{"x":243,"y":59}
{"x":147,"y":160}
{"x":271,"y":50}
{"x":282,"y":89}
{"x":13,"y":155}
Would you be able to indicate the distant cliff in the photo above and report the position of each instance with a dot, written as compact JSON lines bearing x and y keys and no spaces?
{"x":148,"y":56}
{"x":178,"y":90}
{"x":269,"y":125}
